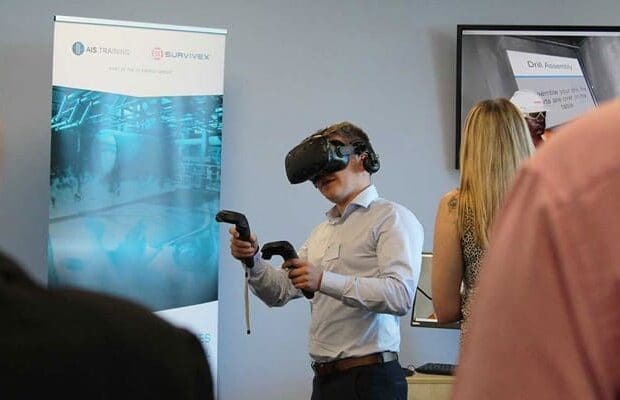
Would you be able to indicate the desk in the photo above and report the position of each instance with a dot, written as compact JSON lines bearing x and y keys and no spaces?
{"x":429,"y":387}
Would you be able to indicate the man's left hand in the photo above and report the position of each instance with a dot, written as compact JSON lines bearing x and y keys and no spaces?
{"x":304,"y":275}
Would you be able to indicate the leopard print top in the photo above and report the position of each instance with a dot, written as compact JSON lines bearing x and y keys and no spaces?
{"x":472,"y":256}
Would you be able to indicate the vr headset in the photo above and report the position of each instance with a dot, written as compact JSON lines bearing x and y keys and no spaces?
{"x":318,"y":155}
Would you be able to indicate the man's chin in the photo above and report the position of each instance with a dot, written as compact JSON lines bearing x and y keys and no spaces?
{"x":325,"y":184}
{"x":328,"y":194}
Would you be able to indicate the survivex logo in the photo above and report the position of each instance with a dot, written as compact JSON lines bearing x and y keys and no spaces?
{"x":158,"y":53}
{"x":78,"y":48}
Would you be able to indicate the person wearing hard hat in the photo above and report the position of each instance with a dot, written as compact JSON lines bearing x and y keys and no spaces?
{"x":534,"y":111}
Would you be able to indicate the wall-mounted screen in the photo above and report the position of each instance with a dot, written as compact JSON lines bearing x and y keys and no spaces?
{"x":572,"y":68}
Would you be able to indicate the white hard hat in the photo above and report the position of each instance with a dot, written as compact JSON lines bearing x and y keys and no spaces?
{"x":528,"y":102}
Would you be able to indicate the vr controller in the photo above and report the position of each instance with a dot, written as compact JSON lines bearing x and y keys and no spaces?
{"x":280,"y":248}
{"x":317,"y":155}
{"x":242,"y":226}
{"x":286,"y":251}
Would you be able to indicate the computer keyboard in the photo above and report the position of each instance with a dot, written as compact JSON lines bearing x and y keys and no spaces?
{"x":436,"y":369}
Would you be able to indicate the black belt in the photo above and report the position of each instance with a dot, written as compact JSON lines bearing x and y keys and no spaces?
{"x":331,"y":367}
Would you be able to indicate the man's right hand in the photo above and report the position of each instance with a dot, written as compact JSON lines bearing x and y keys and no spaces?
{"x":241,"y":249}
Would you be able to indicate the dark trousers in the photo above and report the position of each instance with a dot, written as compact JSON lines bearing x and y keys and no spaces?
{"x":371,"y":382}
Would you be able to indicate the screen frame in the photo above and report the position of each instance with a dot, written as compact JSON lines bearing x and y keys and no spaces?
{"x":483,"y":27}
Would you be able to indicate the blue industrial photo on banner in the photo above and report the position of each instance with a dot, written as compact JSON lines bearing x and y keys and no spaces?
{"x":134,"y":190}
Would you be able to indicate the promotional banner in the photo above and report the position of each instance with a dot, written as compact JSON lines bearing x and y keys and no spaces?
{"x":136,"y":133}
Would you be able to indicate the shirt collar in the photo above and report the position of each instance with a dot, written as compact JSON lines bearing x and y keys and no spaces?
{"x":363,"y":199}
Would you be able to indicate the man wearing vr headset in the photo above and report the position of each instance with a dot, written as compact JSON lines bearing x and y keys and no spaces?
{"x":362,"y":266}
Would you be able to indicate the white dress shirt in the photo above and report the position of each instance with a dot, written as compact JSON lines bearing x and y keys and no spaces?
{"x":370,"y":256}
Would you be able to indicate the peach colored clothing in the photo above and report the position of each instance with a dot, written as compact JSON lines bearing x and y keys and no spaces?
{"x":546,"y":320}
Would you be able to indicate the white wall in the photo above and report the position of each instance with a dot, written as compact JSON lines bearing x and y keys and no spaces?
{"x":291,"y":67}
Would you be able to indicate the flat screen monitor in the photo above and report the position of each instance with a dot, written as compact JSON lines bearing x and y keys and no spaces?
{"x":422,"y":313}
{"x":572,"y":68}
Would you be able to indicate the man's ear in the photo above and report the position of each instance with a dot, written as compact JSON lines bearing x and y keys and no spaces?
{"x":359,"y":158}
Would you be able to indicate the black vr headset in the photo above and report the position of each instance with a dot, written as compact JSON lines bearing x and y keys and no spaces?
{"x":318,"y":155}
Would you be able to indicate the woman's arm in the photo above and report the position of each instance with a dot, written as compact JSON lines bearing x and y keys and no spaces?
{"x":447,"y":270}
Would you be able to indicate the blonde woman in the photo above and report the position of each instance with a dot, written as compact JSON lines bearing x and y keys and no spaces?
{"x":494,"y":142}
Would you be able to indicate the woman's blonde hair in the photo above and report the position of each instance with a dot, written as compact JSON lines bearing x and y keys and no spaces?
{"x":495,"y":140}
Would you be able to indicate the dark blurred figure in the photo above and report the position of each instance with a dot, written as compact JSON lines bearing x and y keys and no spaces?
{"x":75,"y":344}
{"x":72,"y":344}
{"x":546,"y":322}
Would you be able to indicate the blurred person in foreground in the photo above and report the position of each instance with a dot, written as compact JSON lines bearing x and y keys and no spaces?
{"x":546,"y":322}
{"x":495,"y":141}
{"x":73,"y":344}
